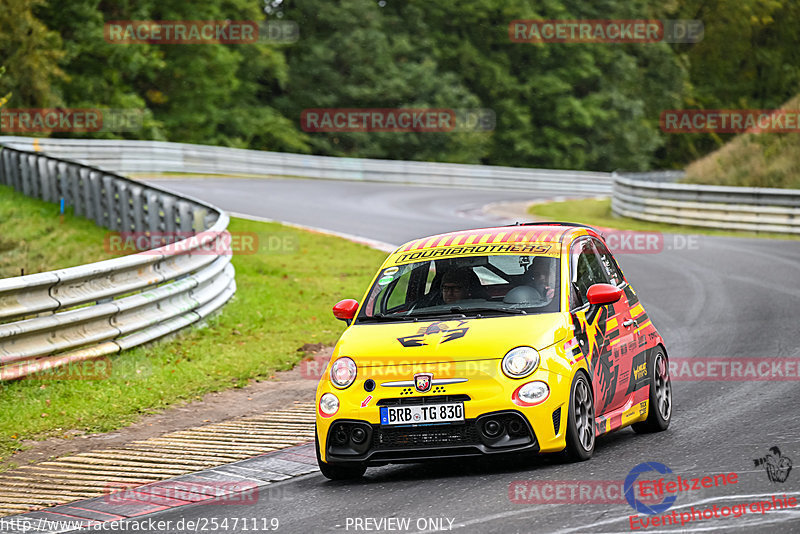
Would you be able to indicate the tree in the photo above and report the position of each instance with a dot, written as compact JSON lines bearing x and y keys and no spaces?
{"x":31,"y":53}
{"x":6,"y":98}
{"x":358,"y":54}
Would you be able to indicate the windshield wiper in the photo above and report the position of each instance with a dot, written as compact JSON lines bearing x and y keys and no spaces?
{"x":379,"y":317}
{"x":455,"y":310}
{"x":502,"y":309}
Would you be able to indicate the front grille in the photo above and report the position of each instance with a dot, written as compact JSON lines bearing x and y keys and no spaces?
{"x":390,"y":438}
{"x":416,"y":401}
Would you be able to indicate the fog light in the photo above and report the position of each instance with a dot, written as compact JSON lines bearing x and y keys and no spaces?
{"x":328,"y":404}
{"x":358,"y":435}
{"x":340,"y":436}
{"x":492,"y":428}
{"x":531,"y":394}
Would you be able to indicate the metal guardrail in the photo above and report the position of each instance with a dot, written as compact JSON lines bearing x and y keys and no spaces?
{"x":84,"y":312}
{"x":70,"y":315}
{"x":155,"y":156}
{"x":731,"y":208}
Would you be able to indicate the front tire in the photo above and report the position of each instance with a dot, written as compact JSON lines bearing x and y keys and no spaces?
{"x":659,"y":409}
{"x":338,"y":472}
{"x":580,"y":424}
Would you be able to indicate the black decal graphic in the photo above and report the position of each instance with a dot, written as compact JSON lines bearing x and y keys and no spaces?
{"x":448,"y":334}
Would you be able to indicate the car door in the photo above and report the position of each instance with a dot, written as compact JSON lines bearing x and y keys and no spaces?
{"x":627,"y":349}
{"x":602,"y":335}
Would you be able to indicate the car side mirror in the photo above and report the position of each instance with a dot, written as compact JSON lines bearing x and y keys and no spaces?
{"x":600,"y":295}
{"x":345,"y":310}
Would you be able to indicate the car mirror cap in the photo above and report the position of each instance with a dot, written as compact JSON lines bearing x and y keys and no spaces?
{"x":345,"y":310}
{"x":601,"y":294}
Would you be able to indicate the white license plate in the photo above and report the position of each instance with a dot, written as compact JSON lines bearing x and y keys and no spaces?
{"x":422,"y":414}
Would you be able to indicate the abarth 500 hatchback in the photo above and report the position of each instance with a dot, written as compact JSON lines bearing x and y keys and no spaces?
{"x":479,"y":342}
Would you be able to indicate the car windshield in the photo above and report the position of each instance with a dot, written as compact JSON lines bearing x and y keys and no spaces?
{"x":469,"y":286}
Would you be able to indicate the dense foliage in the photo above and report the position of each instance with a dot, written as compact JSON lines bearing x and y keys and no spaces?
{"x":582,"y":106}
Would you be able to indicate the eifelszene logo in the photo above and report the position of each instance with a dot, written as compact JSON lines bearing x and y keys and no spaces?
{"x":638,"y":505}
{"x":775,"y":464}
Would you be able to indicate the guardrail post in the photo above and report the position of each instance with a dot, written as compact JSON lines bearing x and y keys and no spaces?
{"x":153,"y":211}
{"x":86,"y":190}
{"x":137,"y":208}
{"x":4,"y":173}
{"x":96,"y":196}
{"x":74,"y":187}
{"x":25,"y":172}
{"x":62,"y":184}
{"x":185,"y":215}
{"x":111,"y":198}
{"x":45,"y":179}
{"x":125,"y":211}
{"x":168,"y":208}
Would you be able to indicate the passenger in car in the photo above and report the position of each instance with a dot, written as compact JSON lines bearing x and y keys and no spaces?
{"x":542,"y":275}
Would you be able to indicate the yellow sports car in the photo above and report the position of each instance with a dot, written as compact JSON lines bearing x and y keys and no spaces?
{"x":518,"y":338}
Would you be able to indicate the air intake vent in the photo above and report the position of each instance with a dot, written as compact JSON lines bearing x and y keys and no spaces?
{"x":430,"y":399}
{"x":556,"y":420}
{"x":389,"y":438}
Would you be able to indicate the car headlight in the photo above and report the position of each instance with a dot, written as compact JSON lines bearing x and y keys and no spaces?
{"x":328,"y":404}
{"x":531,"y":393}
{"x":520,"y":362}
{"x":343,"y":372}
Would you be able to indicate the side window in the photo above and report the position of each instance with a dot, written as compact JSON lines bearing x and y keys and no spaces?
{"x":398,"y":291}
{"x":587,"y":270}
{"x":609,"y":264}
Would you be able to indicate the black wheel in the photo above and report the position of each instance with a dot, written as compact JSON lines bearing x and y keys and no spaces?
{"x":659,"y":409}
{"x":339,"y":472}
{"x":580,"y":424}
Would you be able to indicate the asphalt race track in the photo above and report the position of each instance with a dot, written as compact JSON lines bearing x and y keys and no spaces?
{"x":709,"y":297}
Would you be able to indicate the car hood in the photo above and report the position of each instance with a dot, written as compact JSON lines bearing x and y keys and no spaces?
{"x":376,"y":344}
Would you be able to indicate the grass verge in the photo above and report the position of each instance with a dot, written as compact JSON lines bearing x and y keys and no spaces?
{"x":35,"y":238}
{"x":283,"y":301}
{"x":597,"y":212}
{"x":764,"y":159}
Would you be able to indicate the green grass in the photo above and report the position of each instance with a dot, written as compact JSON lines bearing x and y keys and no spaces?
{"x":283,"y":301}
{"x":753,"y":160}
{"x":35,"y":238}
{"x":597,"y":212}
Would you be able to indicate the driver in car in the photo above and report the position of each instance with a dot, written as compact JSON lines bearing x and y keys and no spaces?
{"x":458,"y":284}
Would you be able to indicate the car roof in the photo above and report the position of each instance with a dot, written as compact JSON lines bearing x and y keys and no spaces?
{"x":538,"y":232}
